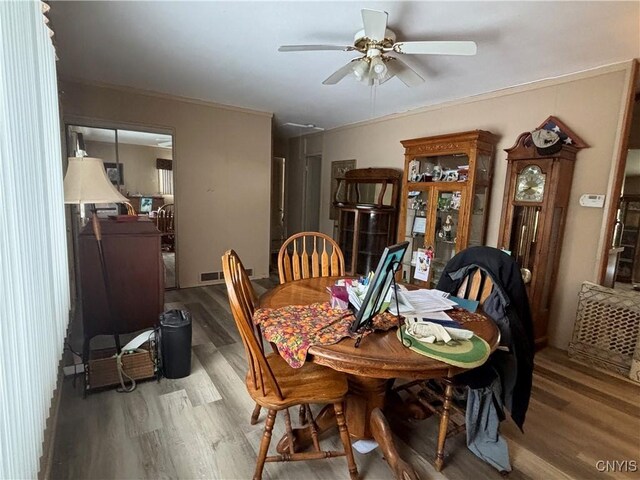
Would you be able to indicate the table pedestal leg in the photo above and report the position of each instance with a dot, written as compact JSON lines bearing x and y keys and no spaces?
{"x":382,"y":434}
{"x":365,"y":401}
{"x":365,"y":420}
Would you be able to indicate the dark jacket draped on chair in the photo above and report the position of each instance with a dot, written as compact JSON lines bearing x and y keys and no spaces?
{"x":509,"y":307}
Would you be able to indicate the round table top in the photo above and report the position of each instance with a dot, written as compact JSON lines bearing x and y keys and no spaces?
{"x":380,"y":354}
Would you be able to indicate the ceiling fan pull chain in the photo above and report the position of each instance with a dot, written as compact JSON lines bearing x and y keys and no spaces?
{"x":372,"y":98}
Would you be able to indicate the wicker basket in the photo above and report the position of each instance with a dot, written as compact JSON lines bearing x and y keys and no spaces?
{"x":607,"y":329}
{"x":103,"y":369}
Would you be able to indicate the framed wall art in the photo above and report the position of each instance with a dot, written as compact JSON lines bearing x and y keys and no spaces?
{"x":114,"y":172}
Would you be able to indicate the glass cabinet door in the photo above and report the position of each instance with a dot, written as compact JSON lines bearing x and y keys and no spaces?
{"x":345,"y":238}
{"x":415,"y":229}
{"x":445,"y":234}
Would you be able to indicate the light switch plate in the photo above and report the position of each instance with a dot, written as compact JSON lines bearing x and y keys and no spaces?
{"x":592,"y":200}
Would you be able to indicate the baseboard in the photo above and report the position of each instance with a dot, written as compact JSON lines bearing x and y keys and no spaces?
{"x":51,"y":425}
{"x":48,"y":444}
{"x":71,"y":370}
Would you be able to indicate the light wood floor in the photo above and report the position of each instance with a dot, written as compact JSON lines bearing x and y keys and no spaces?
{"x":198,"y":427}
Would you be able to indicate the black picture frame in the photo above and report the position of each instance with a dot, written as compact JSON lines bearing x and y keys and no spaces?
{"x":115,"y":173}
{"x":388,"y":265}
{"x":146,"y":204}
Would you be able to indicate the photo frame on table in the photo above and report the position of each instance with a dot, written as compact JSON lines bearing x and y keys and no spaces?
{"x":115,"y":173}
{"x":338,"y":169}
{"x":379,"y":285}
{"x":146,"y":204}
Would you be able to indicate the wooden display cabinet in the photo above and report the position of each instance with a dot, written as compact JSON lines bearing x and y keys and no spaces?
{"x":445,"y":197}
{"x":366,"y":202}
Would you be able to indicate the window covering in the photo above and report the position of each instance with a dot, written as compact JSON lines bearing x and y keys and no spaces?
{"x":34,"y":276}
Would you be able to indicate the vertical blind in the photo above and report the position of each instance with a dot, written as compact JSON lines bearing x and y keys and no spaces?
{"x":34,"y":279}
{"x":165,"y":176}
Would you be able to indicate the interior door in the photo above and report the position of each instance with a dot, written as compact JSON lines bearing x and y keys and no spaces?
{"x":312,"y":176}
{"x":278,"y":230}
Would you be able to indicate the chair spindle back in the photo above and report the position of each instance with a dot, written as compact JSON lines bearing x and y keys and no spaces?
{"x":476,"y":286}
{"x":165,"y":218}
{"x":309,"y":255}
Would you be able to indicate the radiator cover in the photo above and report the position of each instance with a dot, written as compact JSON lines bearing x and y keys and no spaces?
{"x":607,"y":330}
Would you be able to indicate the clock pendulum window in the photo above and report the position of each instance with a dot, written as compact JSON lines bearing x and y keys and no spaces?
{"x":534,"y":209}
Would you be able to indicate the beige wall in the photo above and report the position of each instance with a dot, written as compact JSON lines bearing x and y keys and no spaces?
{"x":221,"y":170}
{"x":138,"y":164}
{"x":589,"y":104}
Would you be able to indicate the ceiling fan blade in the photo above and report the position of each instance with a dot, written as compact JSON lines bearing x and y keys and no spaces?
{"x":404,"y":72}
{"x":436,"y":48}
{"x":309,"y":48}
{"x":339,"y":74}
{"x":375,"y":23}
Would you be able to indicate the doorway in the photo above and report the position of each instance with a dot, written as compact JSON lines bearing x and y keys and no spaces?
{"x":311,"y":193}
{"x":620,"y":265}
{"x":140,"y":165}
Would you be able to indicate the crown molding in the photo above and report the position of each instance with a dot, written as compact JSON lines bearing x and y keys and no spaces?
{"x":524,"y":87}
{"x":164,"y":96}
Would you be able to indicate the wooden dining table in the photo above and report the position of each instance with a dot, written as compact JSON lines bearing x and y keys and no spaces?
{"x":370,"y":370}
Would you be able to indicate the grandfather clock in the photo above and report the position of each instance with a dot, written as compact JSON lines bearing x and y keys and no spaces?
{"x":534,"y":209}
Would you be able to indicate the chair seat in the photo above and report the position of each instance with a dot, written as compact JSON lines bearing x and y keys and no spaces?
{"x":310,"y":383}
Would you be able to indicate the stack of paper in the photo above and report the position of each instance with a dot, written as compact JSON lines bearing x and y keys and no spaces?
{"x":425,"y":301}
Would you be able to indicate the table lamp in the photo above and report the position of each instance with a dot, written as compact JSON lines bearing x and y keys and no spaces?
{"x":86,"y":181}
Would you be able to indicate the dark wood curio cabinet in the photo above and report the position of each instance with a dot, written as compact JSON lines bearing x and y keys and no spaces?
{"x":366,"y":203}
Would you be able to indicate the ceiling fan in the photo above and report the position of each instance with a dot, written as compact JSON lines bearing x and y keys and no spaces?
{"x":375,"y":41}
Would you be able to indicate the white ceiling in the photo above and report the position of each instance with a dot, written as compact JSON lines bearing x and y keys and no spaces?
{"x":226,"y":52}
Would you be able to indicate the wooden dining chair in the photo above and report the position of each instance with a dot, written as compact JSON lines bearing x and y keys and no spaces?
{"x":273,"y":384}
{"x":130,"y":209}
{"x":165,"y":223}
{"x":436,"y":395}
{"x":309,"y":254}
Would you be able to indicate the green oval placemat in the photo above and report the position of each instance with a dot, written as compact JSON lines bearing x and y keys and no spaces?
{"x":460,"y":353}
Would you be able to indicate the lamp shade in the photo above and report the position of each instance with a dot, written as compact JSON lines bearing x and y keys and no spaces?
{"x":86,"y":181}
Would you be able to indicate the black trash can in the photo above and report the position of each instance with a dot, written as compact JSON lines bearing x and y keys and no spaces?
{"x":175,"y":343}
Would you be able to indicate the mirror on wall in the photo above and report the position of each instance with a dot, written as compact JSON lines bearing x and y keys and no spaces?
{"x":140,"y":166}
{"x":623,"y":268}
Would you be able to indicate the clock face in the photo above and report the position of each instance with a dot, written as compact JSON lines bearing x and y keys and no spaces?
{"x":530,"y":185}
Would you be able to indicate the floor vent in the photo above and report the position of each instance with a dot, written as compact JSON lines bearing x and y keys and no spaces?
{"x":207,"y":277}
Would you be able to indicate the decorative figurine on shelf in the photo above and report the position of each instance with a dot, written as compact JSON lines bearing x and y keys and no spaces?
{"x":446,"y":228}
{"x":456,"y":197}
{"x":418,"y":204}
{"x":414,"y":173}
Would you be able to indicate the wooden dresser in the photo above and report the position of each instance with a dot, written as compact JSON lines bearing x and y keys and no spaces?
{"x":136,"y":274}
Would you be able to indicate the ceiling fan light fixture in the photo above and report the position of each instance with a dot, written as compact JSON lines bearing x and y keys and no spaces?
{"x":378,"y":68}
{"x":361,"y":69}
